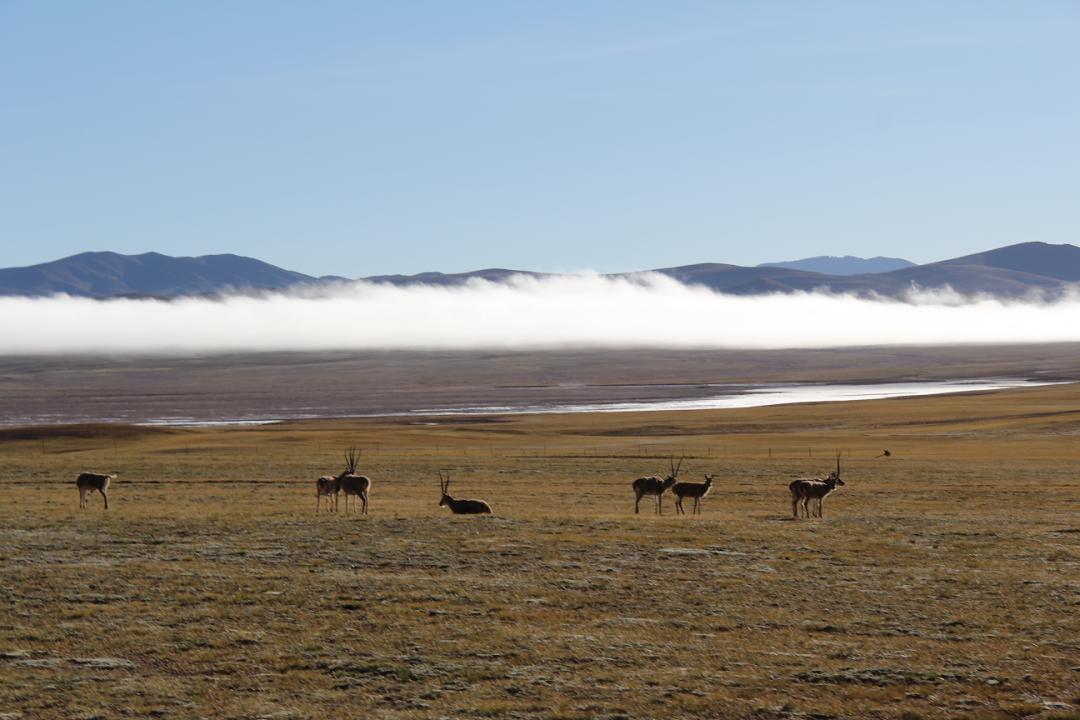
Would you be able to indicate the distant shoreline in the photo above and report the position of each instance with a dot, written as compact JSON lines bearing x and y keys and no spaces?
{"x":748,"y":397}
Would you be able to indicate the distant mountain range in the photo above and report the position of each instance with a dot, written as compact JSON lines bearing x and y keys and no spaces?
{"x":1007,"y":271}
{"x":846,"y":265}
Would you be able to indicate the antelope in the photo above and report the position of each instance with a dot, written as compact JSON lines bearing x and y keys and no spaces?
{"x":460,"y":507}
{"x":89,"y":482}
{"x":696,"y":491}
{"x":804,"y":490}
{"x":655,"y":486}
{"x":353,"y":484}
{"x":331,"y":487}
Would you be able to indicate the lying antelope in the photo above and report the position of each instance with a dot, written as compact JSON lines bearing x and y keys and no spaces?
{"x":656,"y":487}
{"x":89,"y":482}
{"x":804,"y":490}
{"x":693,"y":490}
{"x":329,"y":486}
{"x":353,"y":484}
{"x":460,"y":507}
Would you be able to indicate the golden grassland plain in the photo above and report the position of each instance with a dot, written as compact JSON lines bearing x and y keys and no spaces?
{"x":942,"y":582}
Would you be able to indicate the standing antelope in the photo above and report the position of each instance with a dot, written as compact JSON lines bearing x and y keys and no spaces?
{"x":89,"y":482}
{"x":331,"y":487}
{"x":460,"y":507}
{"x":691,"y":490}
{"x":353,"y":484}
{"x":656,"y":487}
{"x":804,"y":490}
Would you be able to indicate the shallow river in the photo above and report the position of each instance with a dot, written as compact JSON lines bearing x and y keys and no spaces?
{"x":726,"y":396}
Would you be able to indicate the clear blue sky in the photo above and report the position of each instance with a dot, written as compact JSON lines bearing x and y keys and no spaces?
{"x":357,"y":138}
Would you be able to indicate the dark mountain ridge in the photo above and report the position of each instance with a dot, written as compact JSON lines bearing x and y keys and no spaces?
{"x":1033,"y":259}
{"x":1009,"y":272}
{"x":109,"y":274}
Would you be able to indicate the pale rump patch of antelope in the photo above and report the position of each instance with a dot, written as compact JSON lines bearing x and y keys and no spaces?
{"x":89,"y":482}
{"x":655,"y":487}
{"x":353,"y":484}
{"x":460,"y":506}
{"x":695,"y":491}
{"x":330,"y":487}
{"x":805,"y":490}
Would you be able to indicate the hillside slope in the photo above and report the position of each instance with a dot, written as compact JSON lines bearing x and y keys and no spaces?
{"x":109,"y":274}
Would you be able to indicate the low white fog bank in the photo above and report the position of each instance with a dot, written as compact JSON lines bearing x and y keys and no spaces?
{"x":525,"y":313}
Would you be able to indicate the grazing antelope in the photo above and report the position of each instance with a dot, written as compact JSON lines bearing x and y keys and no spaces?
{"x":884,"y":453}
{"x":804,"y":490}
{"x":331,"y":487}
{"x":353,"y":484}
{"x":460,"y":507}
{"x":696,"y":491}
{"x":656,"y":487}
{"x":89,"y":482}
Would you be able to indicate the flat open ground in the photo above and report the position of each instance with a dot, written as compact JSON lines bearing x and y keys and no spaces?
{"x":943,"y":581}
{"x":298,"y":385}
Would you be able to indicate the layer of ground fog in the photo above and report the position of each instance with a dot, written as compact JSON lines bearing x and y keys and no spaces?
{"x":943,"y":581}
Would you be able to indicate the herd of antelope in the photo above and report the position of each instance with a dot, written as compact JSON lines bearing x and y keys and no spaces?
{"x":804,"y":491}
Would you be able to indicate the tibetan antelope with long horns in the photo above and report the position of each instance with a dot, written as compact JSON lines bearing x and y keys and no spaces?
{"x":695,"y":491}
{"x":460,"y":507}
{"x":89,"y":482}
{"x":353,"y":484}
{"x":804,"y":490}
{"x":656,"y":487}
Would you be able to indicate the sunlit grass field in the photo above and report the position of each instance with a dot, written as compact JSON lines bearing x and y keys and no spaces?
{"x":943,"y":581}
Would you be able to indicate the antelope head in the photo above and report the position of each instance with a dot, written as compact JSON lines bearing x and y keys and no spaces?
{"x":444,"y":488}
{"x":836,"y":475}
{"x":708,"y":480}
{"x":352,"y":460}
{"x":670,"y":479}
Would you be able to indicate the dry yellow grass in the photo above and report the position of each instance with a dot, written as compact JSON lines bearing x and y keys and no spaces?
{"x":942,"y":582}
